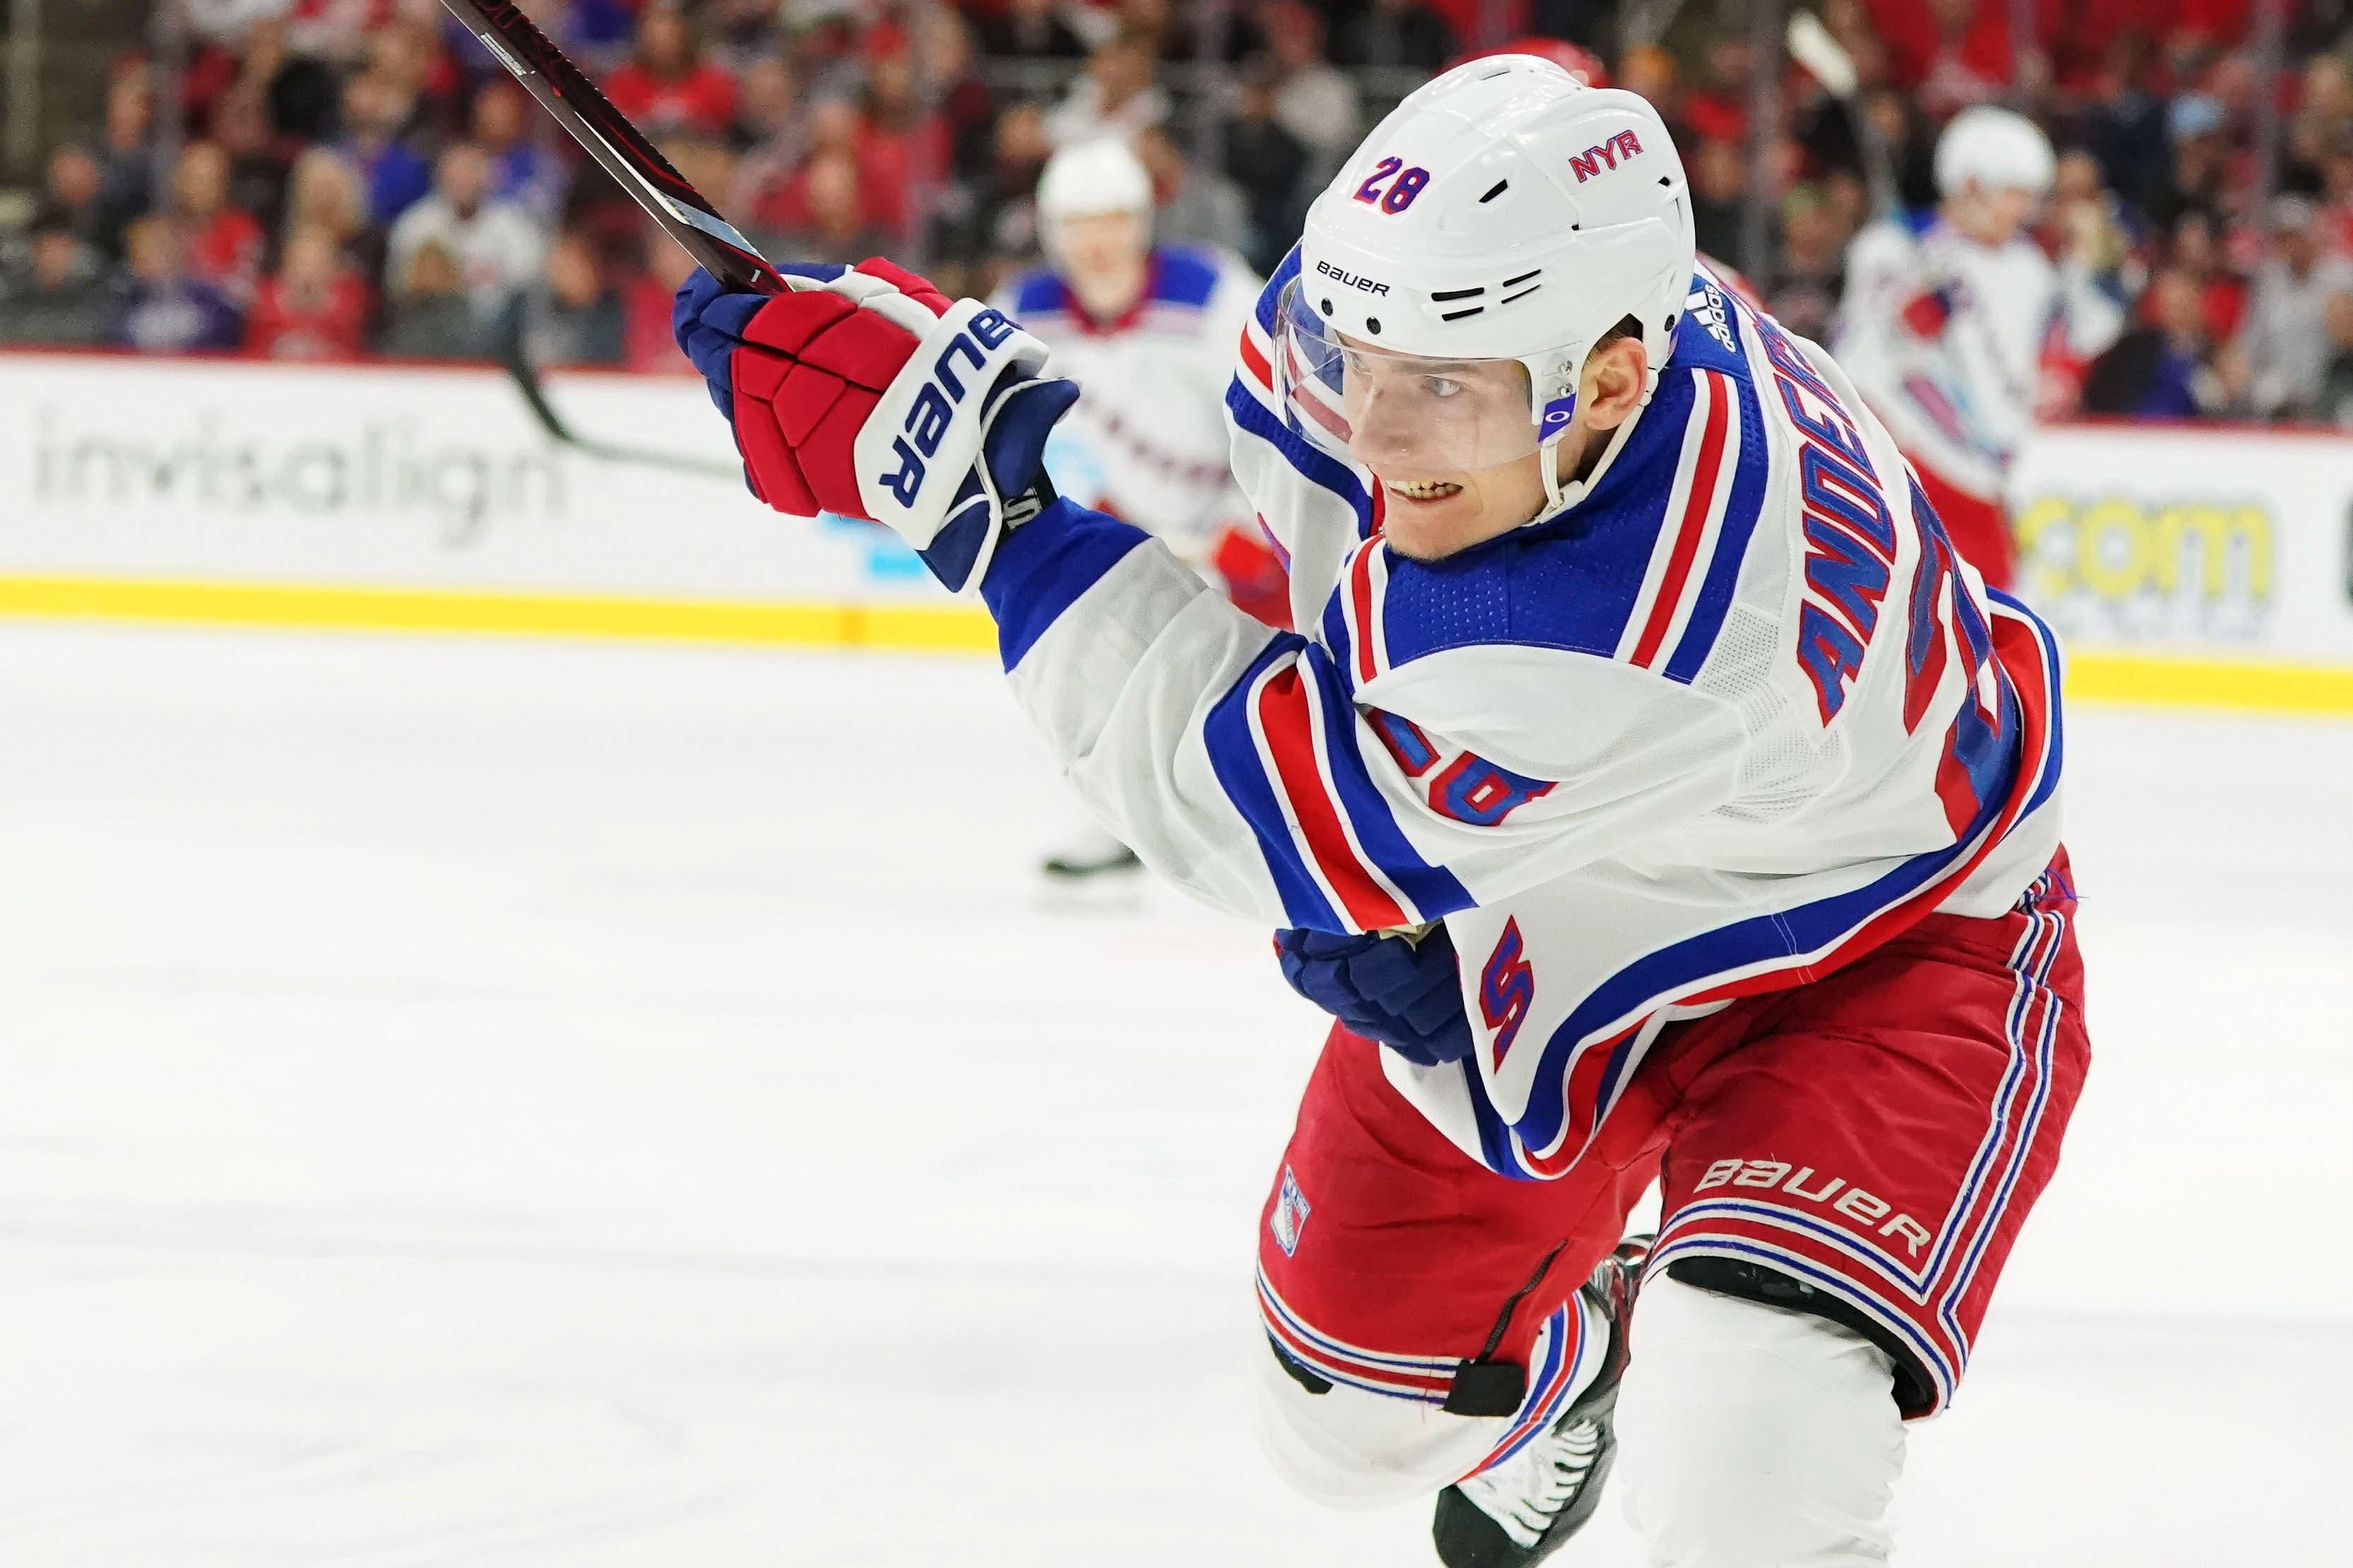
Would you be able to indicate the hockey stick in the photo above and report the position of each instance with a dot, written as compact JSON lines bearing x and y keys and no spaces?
{"x":682,"y":210}
{"x":515,"y":356}
{"x":1825,"y":59}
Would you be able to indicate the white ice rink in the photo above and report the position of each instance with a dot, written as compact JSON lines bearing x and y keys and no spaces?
{"x":465,"y":1103}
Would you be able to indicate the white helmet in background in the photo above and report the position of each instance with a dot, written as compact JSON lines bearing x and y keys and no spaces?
{"x":1993,"y":148}
{"x":1089,"y":178}
{"x":1504,"y":211}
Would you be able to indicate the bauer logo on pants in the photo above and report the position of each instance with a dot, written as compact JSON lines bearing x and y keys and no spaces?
{"x":1868,"y":1209}
{"x":1290,"y":1217}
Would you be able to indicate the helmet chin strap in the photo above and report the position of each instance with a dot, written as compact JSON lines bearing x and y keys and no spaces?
{"x":1555,"y":421}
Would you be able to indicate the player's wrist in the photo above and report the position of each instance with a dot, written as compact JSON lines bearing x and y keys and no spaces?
{"x":1043,"y":563}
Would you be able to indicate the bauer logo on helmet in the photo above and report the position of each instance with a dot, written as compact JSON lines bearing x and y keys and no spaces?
{"x":1349,"y":279}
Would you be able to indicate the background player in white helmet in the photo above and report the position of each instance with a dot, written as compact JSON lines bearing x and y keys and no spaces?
{"x":1148,"y":331}
{"x":1950,"y":331}
{"x":1648,"y":792}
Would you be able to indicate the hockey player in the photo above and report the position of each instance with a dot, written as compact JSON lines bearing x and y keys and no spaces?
{"x":1948,"y":331}
{"x":1649,"y":790}
{"x":1147,"y":331}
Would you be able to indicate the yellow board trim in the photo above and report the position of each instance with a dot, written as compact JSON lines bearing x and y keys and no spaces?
{"x":2132,"y":679}
{"x":777,"y":623}
{"x":2230,"y":684}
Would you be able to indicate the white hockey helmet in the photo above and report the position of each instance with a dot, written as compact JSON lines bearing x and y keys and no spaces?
{"x":1091,"y":177}
{"x":1994,"y":148}
{"x":1503,"y":212}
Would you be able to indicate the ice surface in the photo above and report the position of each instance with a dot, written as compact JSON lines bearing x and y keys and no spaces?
{"x":514,"y":1104}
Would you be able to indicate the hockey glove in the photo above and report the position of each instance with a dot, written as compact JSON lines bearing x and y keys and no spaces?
{"x":863,"y":391}
{"x":1401,"y":991}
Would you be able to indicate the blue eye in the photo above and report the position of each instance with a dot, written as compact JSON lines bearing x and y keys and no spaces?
{"x":1440,"y":387}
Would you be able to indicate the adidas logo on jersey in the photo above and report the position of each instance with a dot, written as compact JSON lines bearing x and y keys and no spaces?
{"x":1349,"y":279}
{"x":1706,"y":306}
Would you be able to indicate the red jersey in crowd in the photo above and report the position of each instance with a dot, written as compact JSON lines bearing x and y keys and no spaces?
{"x":1947,"y":72}
{"x":283,"y":325}
{"x":701,"y":101}
{"x":226,"y":252}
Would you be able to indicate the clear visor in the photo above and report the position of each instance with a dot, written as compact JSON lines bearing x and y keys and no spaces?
{"x":1402,"y":415}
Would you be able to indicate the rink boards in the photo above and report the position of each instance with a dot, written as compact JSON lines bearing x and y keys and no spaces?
{"x":2205,"y":567}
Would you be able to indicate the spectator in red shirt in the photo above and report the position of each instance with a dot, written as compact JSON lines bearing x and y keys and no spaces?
{"x":838,"y":228}
{"x":2197,"y":256}
{"x":902,"y":151}
{"x":324,"y":192}
{"x":314,"y":307}
{"x":780,"y":206}
{"x":225,"y":243}
{"x":646,"y":345}
{"x":1948,"y":54}
{"x":668,"y":88}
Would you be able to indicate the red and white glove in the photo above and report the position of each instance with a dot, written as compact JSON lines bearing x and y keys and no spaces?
{"x":864,"y":391}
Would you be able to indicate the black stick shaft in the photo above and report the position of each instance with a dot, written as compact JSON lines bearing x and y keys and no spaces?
{"x":565,"y":92}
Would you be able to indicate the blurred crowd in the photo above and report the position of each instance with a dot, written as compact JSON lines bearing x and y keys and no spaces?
{"x":327,"y":179}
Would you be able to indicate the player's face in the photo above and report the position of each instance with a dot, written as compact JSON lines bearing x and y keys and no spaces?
{"x":1451,"y":443}
{"x":1103,"y":255}
{"x":1994,"y":214}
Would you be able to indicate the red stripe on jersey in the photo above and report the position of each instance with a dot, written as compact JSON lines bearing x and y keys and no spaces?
{"x":1695,"y":523}
{"x":2021,"y":657}
{"x":1360,"y":594}
{"x":1538,"y":1408}
{"x":1304,"y":397}
{"x":1288,"y":721}
{"x":1254,"y":360}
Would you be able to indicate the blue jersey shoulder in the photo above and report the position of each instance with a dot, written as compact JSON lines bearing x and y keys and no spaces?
{"x":1038,"y":292}
{"x":1269,"y":296}
{"x":1574,"y":582}
{"x":1182,"y":275}
{"x":1567,"y":583}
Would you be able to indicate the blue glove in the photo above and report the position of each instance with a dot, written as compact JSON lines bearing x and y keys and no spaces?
{"x":1404,"y":992}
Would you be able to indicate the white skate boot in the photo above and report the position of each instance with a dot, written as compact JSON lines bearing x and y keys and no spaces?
{"x":1520,"y":1512}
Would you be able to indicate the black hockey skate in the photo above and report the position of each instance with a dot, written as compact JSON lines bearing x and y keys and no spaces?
{"x":1523,"y":1510}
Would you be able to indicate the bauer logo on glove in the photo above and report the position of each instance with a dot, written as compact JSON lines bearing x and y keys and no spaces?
{"x":937,"y":401}
{"x":863,"y":391}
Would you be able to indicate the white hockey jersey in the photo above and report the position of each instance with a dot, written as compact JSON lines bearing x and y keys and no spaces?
{"x":1147,"y":440}
{"x":1948,"y":340}
{"x":1731,"y":719}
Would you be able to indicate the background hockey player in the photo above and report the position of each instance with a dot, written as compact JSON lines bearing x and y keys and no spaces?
{"x":1955,"y":332}
{"x":1147,"y":330}
{"x":1632,"y":667}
